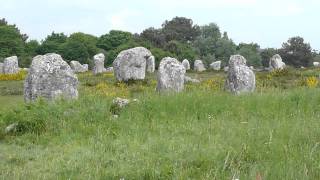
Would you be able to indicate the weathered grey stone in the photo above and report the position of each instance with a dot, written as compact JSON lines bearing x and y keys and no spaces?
{"x":1,"y":68}
{"x":10,"y":65}
{"x":50,"y":77}
{"x":186,"y":64}
{"x":226,"y":69}
{"x":170,"y":75}
{"x":120,"y":102}
{"x":276,"y":63}
{"x":117,"y":105}
{"x":109,"y":69}
{"x":189,"y":79}
{"x":316,"y":64}
{"x":240,"y":77}
{"x":98,"y":63}
{"x":198,"y":66}
{"x":85,"y":67}
{"x":77,"y":67}
{"x":131,"y":64}
{"x":12,"y":128}
{"x":216,"y":65}
{"x":151,"y":64}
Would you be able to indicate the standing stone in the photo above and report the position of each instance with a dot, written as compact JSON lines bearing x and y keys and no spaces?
{"x":85,"y":67}
{"x":199,"y":66}
{"x":77,"y":67}
{"x":316,"y":64}
{"x":131,"y":64}
{"x":10,"y":65}
{"x":240,"y":77}
{"x":98,"y":63}
{"x":1,"y":68}
{"x":50,"y":77}
{"x":276,"y":63}
{"x":216,"y":65}
{"x":170,"y":75}
{"x":151,"y":64}
{"x":186,"y":64}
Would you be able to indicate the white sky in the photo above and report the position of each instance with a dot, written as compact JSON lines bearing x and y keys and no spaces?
{"x":266,"y":22}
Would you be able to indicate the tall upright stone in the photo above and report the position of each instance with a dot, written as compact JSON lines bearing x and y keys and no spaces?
{"x":276,"y":63}
{"x":50,"y":77}
{"x":98,"y":60}
{"x":186,"y":64}
{"x":151,"y":64}
{"x":199,"y":66}
{"x":171,"y":75}
{"x":10,"y":65}
{"x":131,"y":64}
{"x":240,"y":77}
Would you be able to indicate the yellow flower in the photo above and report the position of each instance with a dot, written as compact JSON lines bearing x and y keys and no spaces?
{"x":311,"y":82}
{"x":13,"y":77}
{"x":111,"y":90}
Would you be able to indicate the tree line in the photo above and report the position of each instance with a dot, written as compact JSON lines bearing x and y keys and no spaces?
{"x":179,"y":38}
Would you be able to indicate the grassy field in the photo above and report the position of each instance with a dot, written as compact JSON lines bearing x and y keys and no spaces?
{"x":202,"y":133}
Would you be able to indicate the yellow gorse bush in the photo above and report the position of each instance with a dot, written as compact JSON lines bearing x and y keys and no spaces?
{"x":311,"y":82}
{"x":21,"y":75}
{"x":278,"y":73}
{"x":215,"y":84}
{"x":211,"y":84}
{"x":111,"y":90}
{"x":108,"y":75}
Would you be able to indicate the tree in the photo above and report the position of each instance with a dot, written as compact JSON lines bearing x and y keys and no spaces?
{"x":224,"y":49}
{"x":155,"y":36}
{"x":113,"y":39}
{"x":266,"y":55}
{"x":181,"y":50}
{"x":251,"y":53}
{"x":315,"y":56}
{"x":211,"y":30}
{"x":159,"y":54}
{"x":87,"y":40}
{"x":31,"y":48}
{"x":11,"y":40}
{"x":52,"y":43}
{"x":30,"y":51}
{"x":73,"y":50}
{"x":180,"y":29}
{"x":296,"y":52}
{"x":207,"y":41}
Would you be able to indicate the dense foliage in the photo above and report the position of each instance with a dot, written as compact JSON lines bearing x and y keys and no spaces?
{"x":180,"y":38}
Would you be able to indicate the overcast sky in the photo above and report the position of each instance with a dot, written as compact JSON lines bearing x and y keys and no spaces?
{"x":266,"y":22}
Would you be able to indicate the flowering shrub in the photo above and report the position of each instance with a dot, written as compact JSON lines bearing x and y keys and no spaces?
{"x":108,"y":75}
{"x":214,"y":84}
{"x":111,"y":90}
{"x":13,"y":77}
{"x":311,"y":82}
{"x":279,"y":73}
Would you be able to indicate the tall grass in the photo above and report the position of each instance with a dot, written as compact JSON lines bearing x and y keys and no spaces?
{"x":197,"y":134}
